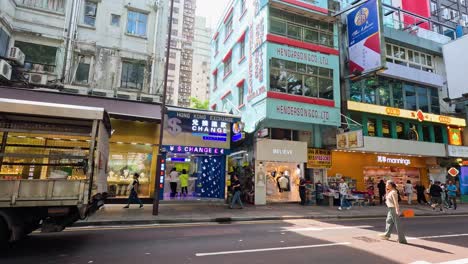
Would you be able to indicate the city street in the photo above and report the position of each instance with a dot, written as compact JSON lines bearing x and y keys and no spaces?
{"x":431,"y":240}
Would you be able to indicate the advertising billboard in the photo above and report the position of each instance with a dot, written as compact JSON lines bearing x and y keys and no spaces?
{"x":365,"y":40}
{"x":464,"y":180}
{"x":455,"y":58}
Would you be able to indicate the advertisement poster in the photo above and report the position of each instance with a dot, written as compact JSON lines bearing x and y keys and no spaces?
{"x":364,"y":38}
{"x":464,"y":180}
{"x":319,"y":158}
{"x":353,"y":139}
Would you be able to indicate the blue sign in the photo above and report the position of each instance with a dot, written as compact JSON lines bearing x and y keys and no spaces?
{"x":464,"y":180}
{"x":364,"y":37}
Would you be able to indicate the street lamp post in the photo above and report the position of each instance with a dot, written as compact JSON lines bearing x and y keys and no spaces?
{"x":161,"y":157}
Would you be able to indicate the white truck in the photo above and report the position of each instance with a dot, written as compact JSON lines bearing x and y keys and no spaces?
{"x":53,"y":161}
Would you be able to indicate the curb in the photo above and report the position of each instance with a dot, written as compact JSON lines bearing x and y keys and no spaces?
{"x":222,"y":220}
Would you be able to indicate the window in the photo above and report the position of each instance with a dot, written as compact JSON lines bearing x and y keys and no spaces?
{"x":384,"y":93}
{"x":426,"y":133}
{"x":172,"y":66}
{"x":423,"y":102}
{"x":301,"y":28}
{"x":400,"y":130}
{"x":241,"y":94}
{"x":136,"y":24}
{"x":410,"y":58}
{"x":216,"y":46}
{"x":356,"y":91}
{"x":242,"y":6}
{"x":301,"y":79}
{"x":82,"y":73}
{"x":175,"y":10}
{"x":53,"y":5}
{"x":463,"y":2}
{"x":369,"y":95}
{"x":410,"y":95}
{"x":132,"y":75}
{"x":438,"y":134}
{"x":115,"y":20}
{"x":242,"y":49}
{"x":228,"y":27}
{"x":435,"y":104}
{"x":215,"y":81}
{"x":175,"y":21}
{"x":228,"y":66}
{"x":434,"y":8}
{"x":371,"y":128}
{"x":4,"y":40}
{"x":397,"y":90}
{"x":38,"y":57}
{"x":175,"y":32}
{"x":90,"y":11}
{"x":386,"y":129}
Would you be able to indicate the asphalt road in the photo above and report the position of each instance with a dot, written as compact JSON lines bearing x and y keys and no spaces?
{"x":431,"y":240}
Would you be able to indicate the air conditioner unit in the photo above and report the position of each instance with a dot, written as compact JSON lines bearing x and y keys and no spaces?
{"x":17,"y":56}
{"x":76,"y":90}
{"x":102,"y":93}
{"x":150,"y":98}
{"x":5,"y":70}
{"x":126,"y":96}
{"x":36,"y":78}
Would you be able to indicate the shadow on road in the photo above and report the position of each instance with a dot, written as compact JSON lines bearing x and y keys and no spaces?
{"x":438,"y":250}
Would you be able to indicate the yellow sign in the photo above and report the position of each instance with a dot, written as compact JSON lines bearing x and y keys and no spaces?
{"x":455,"y":137}
{"x":403,"y":113}
{"x":318,"y":158}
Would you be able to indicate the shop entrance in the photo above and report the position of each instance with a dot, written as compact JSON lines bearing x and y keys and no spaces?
{"x":282,"y":181}
{"x":399,"y":175}
{"x":203,"y":176}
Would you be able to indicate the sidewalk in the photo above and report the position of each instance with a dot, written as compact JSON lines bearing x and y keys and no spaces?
{"x":114,"y":214}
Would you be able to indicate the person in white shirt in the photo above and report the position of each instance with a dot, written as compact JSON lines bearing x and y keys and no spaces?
{"x":409,"y":191}
{"x":344,"y":190}
{"x":173,"y":179}
{"x":393,"y":215}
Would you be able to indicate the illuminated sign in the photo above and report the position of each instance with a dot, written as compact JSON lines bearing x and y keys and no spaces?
{"x":385,"y":159}
{"x":319,"y":158}
{"x":196,"y":150}
{"x":403,"y":113}
{"x":455,"y":137}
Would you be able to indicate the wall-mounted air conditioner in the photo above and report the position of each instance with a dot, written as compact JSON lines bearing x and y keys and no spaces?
{"x":126,"y":95}
{"x":17,"y":56}
{"x":5,"y":70}
{"x":76,"y":90}
{"x":150,"y":98}
{"x":102,"y":93}
{"x":36,"y":78}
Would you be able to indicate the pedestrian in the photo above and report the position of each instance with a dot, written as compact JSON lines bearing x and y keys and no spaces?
{"x":133,"y":197}
{"x":421,"y":197}
{"x":393,"y":215}
{"x":428,"y":191}
{"x":452,"y":195}
{"x":344,"y":190}
{"x":302,"y":190}
{"x":444,"y":196}
{"x":319,"y":193}
{"x":173,"y":179}
{"x":436,"y":196}
{"x":409,"y":191}
{"x":381,"y":187}
{"x":236,"y":188}
{"x":184,"y":179}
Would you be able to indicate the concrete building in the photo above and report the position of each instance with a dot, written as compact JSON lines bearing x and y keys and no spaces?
{"x":276,"y":63}
{"x":451,"y":12}
{"x":181,"y":56}
{"x":201,"y":60}
{"x":89,"y":47}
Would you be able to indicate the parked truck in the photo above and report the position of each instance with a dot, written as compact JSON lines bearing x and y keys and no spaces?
{"x":53,"y":161}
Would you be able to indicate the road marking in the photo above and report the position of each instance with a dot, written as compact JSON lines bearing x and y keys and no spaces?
{"x":269,"y":249}
{"x":439,"y":236}
{"x":322,"y":228}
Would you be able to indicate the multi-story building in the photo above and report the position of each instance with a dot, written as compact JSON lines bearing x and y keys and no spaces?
{"x":181,"y":55}
{"x":95,"y":47}
{"x":276,"y":63}
{"x":201,"y":60}
{"x":450,"y":12}
{"x":405,"y":123}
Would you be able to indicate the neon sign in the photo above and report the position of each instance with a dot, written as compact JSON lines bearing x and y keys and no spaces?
{"x":196,"y":150}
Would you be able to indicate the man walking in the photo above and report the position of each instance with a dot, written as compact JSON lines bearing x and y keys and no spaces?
{"x":381,"y":187}
{"x":436,"y":196}
{"x":344,"y":190}
{"x":302,"y":190}
{"x":420,"y":193}
{"x":452,"y":195}
{"x":236,"y":188}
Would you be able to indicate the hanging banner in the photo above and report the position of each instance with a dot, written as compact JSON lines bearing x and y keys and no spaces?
{"x":365,"y":40}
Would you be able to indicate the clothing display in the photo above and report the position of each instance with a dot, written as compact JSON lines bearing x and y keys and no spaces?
{"x":281,"y":184}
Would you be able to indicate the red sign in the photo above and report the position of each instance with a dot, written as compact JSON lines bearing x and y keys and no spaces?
{"x":453,"y":172}
{"x":420,"y":115}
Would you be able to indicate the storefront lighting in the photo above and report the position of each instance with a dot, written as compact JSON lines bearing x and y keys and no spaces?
{"x":40,"y":138}
{"x":57,"y":139}
{"x":134,"y":143}
{"x":21,"y":136}
{"x":148,"y":144}
{"x":73,"y":139}
{"x":119,"y":142}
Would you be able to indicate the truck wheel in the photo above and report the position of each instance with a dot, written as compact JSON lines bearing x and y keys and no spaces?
{"x":4,"y":233}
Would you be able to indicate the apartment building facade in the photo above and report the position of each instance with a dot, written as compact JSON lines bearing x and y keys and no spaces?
{"x":201,"y":60}
{"x":181,"y":55}
{"x":90,"y":47}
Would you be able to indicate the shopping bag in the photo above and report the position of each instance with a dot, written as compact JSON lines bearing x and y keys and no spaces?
{"x":408,"y":213}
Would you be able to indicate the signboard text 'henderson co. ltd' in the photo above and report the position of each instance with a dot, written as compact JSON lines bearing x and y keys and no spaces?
{"x":303,"y":56}
{"x":300,"y":111}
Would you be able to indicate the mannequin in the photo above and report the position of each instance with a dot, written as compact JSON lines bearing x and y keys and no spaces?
{"x":295,"y":181}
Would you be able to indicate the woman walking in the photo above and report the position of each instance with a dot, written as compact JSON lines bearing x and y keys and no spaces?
{"x":133,"y":197}
{"x":409,"y":191}
{"x":393,"y":215}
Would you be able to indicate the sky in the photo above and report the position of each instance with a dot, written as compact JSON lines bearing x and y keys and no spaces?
{"x":211,"y":9}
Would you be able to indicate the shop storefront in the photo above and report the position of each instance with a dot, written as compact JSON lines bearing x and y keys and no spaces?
{"x":197,"y":144}
{"x":278,"y":167}
{"x":368,"y":169}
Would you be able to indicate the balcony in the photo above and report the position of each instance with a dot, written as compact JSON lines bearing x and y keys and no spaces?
{"x":57,"y":6}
